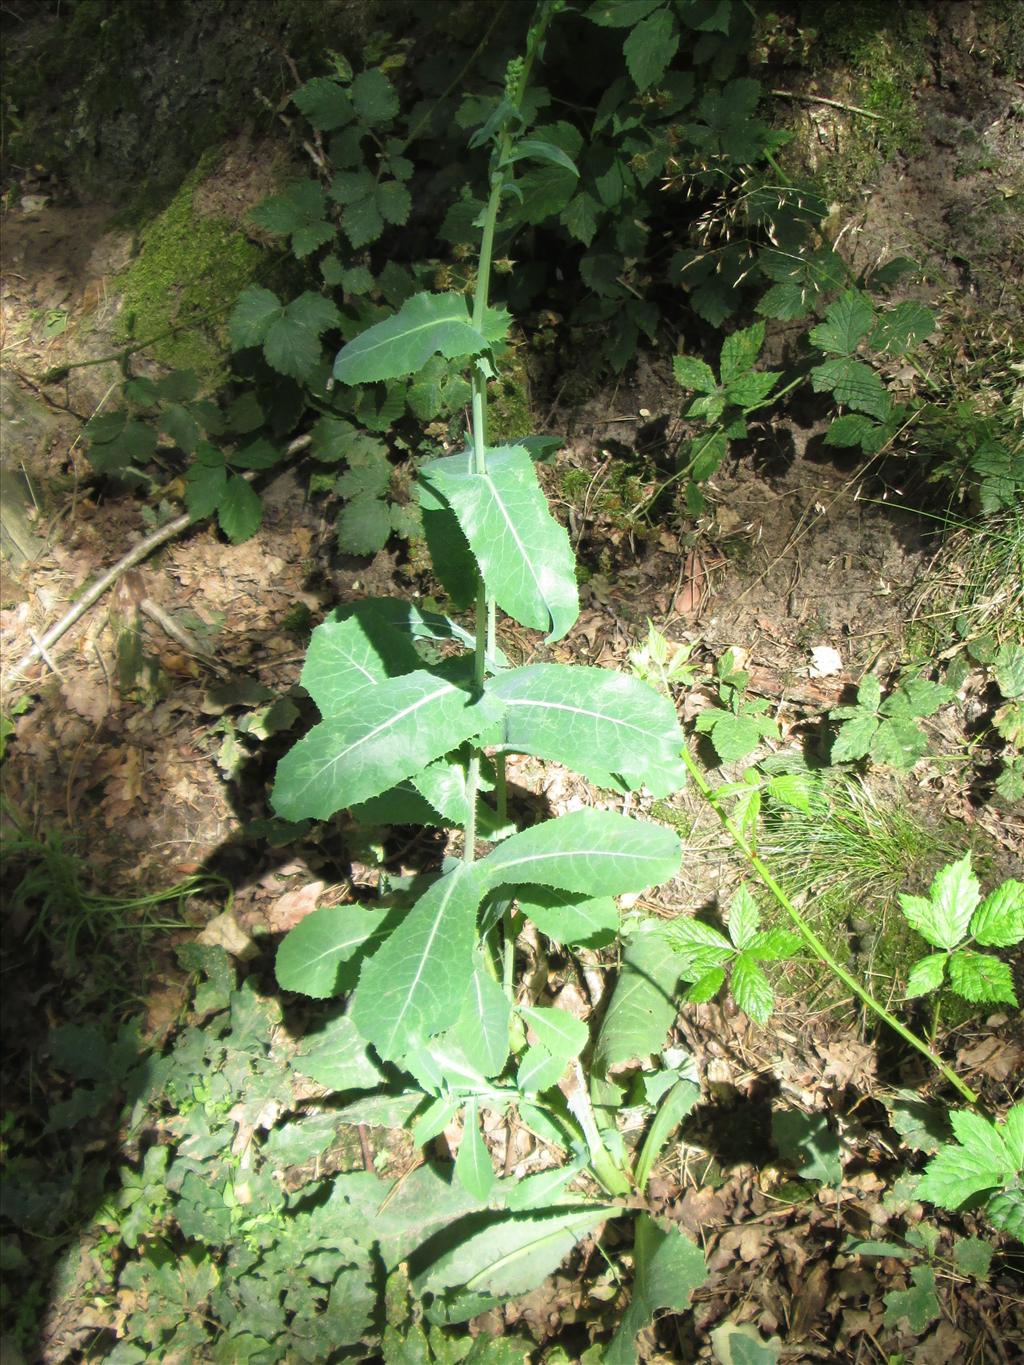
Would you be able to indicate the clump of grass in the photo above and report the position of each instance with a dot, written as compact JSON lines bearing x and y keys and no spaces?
{"x":975,"y":587}
{"x":849,"y":857}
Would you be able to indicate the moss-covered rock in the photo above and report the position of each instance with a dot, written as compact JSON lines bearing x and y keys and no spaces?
{"x":182,"y":284}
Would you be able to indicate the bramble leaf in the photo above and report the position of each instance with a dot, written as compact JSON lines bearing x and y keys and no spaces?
{"x":252,"y":315}
{"x":325,"y":103}
{"x":650,"y":47}
{"x":299,"y":212}
{"x":981,"y":977}
{"x":364,"y":524}
{"x":919,"y":1305}
{"x":853,"y":383}
{"x":847,"y":322}
{"x":693,"y":373}
{"x":374,"y":97}
{"x":944,"y":917}
{"x":205,"y":483}
{"x":998,"y":921}
{"x":926,"y":975}
{"x":751,"y":989}
{"x":740,"y":351}
{"x":902,"y":327}
{"x":239,"y":510}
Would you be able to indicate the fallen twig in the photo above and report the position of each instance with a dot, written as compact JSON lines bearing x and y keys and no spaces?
{"x":832,"y":104}
{"x":95,"y":591}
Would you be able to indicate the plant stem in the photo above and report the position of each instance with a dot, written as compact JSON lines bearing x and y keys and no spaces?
{"x":815,"y":943}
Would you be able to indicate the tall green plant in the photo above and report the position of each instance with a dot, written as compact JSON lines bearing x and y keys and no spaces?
{"x":403,"y":740}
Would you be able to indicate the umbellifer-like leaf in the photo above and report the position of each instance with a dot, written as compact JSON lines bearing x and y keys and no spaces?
{"x":523,"y":552}
{"x":424,"y":325}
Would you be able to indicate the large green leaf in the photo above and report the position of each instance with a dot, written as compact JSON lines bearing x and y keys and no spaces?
{"x":402,"y":344}
{"x":336,"y":1056}
{"x":669,"y":1267}
{"x":311,"y":956}
{"x":512,"y":1255}
{"x":384,"y":734}
{"x":595,"y":852}
{"x":565,"y":917}
{"x":595,"y":721}
{"x":351,"y":652}
{"x":481,"y":1030}
{"x":644,"y":1002}
{"x":416,"y":984}
{"x":523,"y":552}
{"x":847,"y":321}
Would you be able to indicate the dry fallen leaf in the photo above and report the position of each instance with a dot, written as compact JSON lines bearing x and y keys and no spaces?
{"x":224,"y":931}
{"x":294,"y":906}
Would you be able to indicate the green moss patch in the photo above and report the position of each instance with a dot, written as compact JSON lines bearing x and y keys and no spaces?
{"x":181,"y":286}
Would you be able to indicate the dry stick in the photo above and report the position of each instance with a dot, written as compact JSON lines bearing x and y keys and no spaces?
{"x":833,"y":104}
{"x":134,"y":556}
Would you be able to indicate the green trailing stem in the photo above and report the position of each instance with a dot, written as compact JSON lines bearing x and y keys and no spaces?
{"x":815,"y":944}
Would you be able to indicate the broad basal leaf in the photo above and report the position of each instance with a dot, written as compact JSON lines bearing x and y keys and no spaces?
{"x":556,"y":1030}
{"x":482,"y":1028}
{"x":417,"y":983}
{"x":669,"y":1267}
{"x":644,"y":1003}
{"x":595,"y":852}
{"x":473,"y":1168}
{"x":523,"y":552}
{"x":595,"y":721}
{"x":424,"y":325}
{"x":311,"y":956}
{"x":565,"y":917}
{"x":385,"y":734}
{"x":336,"y":1056}
{"x":355,"y":648}
{"x":511,"y":1255}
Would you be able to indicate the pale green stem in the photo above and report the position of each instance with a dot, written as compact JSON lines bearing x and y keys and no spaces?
{"x":815,"y":943}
